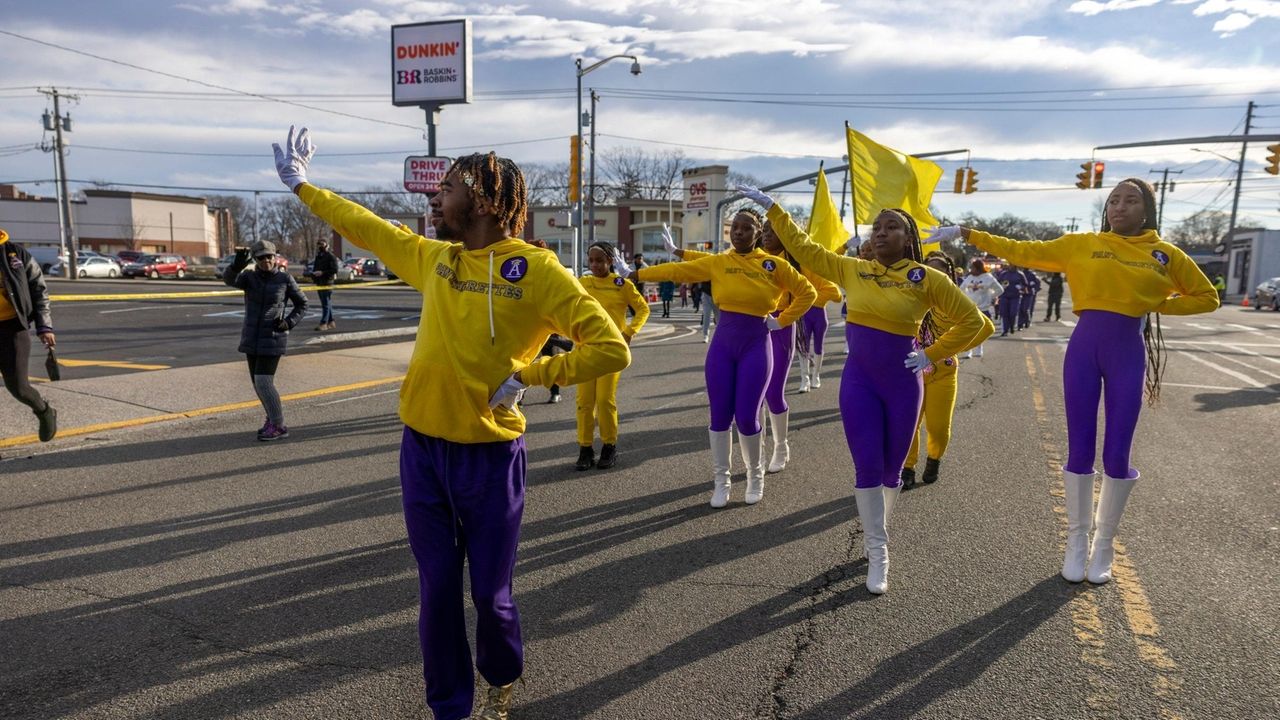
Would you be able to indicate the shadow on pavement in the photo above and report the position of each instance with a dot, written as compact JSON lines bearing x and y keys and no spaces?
{"x":1247,"y":397}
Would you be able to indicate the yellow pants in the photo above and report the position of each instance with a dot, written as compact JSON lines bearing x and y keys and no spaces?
{"x":598,"y":400}
{"x":935,"y":415}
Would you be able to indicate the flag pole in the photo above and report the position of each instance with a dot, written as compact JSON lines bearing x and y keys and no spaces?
{"x":853,"y":190}
{"x":813,"y":207}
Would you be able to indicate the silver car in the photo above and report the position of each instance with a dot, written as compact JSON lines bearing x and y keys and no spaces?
{"x":93,"y":266}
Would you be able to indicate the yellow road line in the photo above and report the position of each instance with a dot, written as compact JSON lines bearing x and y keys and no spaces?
{"x":71,"y":362}
{"x":1086,"y":615}
{"x":208,"y":293}
{"x":152,"y":419}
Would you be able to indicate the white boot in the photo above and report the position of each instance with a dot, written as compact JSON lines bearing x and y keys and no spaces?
{"x":721,"y":444}
{"x":752,"y":452}
{"x":804,"y":374}
{"x":890,"y":499}
{"x":781,"y":449}
{"x":1111,"y":501}
{"x":1079,"y":499}
{"x":817,"y":371}
{"x":871,"y":507}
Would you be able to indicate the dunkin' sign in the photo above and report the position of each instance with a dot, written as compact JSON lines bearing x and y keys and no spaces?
{"x":431,"y":63}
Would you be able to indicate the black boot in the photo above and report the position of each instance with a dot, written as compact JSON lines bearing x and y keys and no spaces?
{"x":48,"y":422}
{"x":608,"y":456}
{"x":908,"y":478}
{"x":586,"y":458}
{"x":930,"y":475}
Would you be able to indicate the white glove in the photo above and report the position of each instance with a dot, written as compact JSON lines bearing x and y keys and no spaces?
{"x":945,"y":233}
{"x":291,"y":163}
{"x":396,"y":224}
{"x":620,"y":265}
{"x":668,"y":241}
{"x":753,"y":194}
{"x":853,"y":243}
{"x":772,"y":322}
{"x":508,"y":393}
{"x":917,"y":362}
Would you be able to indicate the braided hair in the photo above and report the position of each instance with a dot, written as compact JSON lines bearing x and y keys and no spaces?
{"x":497,"y":185}
{"x":1152,"y":333}
{"x":930,"y":331}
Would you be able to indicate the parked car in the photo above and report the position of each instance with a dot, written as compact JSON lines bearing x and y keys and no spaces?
{"x":155,"y":266}
{"x":99,"y":267}
{"x":1267,"y":294}
{"x":202,"y":266}
{"x":124,"y":257}
{"x":373,"y":267}
{"x":355,"y":264}
{"x":225,"y":262}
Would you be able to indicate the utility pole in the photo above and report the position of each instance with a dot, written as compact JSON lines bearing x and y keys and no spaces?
{"x":60,"y":123}
{"x":1163,"y":186}
{"x":1244,"y":147}
{"x":1071,"y":224}
{"x":591,"y":174}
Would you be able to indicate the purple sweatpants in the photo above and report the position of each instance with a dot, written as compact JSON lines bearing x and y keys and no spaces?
{"x":1105,"y":358}
{"x":879,"y":404}
{"x":1009,"y":305}
{"x":464,"y":501}
{"x":783,"y":343}
{"x":814,"y":321}
{"x":737,"y":371}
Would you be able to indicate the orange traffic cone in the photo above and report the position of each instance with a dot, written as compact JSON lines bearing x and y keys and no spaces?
{"x":1245,"y":301}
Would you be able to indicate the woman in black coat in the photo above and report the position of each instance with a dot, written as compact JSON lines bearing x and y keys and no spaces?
{"x":24,"y":304}
{"x":265,"y":335}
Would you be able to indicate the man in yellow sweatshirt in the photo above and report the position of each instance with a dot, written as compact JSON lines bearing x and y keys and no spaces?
{"x":489,"y":302}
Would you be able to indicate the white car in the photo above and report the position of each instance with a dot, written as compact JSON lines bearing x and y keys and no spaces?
{"x":95,"y":266}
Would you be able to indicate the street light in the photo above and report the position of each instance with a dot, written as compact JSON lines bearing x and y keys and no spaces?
{"x":1211,"y":152}
{"x":577,"y":223}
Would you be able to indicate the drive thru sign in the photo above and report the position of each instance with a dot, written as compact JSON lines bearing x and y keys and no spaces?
{"x":422,"y":174}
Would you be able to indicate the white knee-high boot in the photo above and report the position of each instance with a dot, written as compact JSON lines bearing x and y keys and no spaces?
{"x":1079,"y":500}
{"x":871,"y":511}
{"x":804,"y":373}
{"x":752,"y":455}
{"x":721,"y":446}
{"x":781,"y":449}
{"x":817,"y":370}
{"x":1111,"y":502}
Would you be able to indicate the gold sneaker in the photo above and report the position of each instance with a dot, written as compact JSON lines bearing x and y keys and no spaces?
{"x":497,"y":702}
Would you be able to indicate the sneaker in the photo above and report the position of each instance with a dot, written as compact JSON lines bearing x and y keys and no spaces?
{"x":908,"y":478}
{"x":273,"y":432}
{"x":586,"y":458}
{"x":930,"y":475}
{"x":48,"y":422}
{"x":608,"y":456}
{"x":322,"y":327}
{"x":555,"y":398}
{"x":332,"y":325}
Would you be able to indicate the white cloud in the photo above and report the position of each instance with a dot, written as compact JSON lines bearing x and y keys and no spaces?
{"x":1256,"y":8}
{"x":1232,"y":23}
{"x":1089,"y":7}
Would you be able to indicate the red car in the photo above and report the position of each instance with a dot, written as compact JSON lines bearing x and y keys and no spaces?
{"x":155,"y":266}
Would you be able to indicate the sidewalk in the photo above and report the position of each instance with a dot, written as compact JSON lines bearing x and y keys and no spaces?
{"x":99,"y":404}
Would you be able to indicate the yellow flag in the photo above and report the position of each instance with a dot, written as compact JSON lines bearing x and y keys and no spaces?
{"x":927,"y":248}
{"x":885,"y":178}
{"x":825,"y":227}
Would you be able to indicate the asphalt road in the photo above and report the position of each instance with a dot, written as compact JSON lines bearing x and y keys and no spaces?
{"x":181,"y":570}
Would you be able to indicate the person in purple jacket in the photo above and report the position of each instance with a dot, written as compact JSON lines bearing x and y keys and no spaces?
{"x":1013,"y":283}
{"x":1028,"y":305}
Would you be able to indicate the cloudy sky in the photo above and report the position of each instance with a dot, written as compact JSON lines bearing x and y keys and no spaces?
{"x":1030,"y":87}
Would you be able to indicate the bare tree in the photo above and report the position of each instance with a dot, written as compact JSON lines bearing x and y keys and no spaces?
{"x":131,"y":232}
{"x":635,"y":173}
{"x":1200,"y":230}
{"x":548,"y":184}
{"x":391,"y":200}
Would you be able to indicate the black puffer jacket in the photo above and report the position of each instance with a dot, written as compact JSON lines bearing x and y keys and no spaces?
{"x":24,"y":283}
{"x":264,"y":300}
{"x":325,"y":268}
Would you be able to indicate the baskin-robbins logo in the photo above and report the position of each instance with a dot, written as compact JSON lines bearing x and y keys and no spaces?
{"x":514,"y":269}
{"x":1160,"y":257}
{"x":619,"y":281}
{"x":915,"y":275}
{"x":769,"y":265}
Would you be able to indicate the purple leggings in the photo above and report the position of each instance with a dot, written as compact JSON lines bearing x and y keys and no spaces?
{"x":737,"y":371}
{"x":879,"y":404}
{"x":464,"y":501}
{"x":784,"y":345}
{"x":814,"y":321}
{"x":1009,"y":306}
{"x":1105,"y":357}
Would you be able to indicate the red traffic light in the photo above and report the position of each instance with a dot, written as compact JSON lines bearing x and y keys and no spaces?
{"x":1098,"y":167}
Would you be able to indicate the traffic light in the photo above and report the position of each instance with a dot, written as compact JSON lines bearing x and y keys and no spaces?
{"x":575,"y":169}
{"x":959,"y":181}
{"x":1274,"y":159}
{"x":1098,"y":167}
{"x":970,"y":181}
{"x":1083,"y":179}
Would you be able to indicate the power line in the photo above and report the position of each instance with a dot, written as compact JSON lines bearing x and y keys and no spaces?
{"x":207,"y":84}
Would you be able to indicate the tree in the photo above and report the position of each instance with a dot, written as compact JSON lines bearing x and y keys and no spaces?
{"x":241,"y":216}
{"x":547,"y":184}
{"x":635,"y":173}
{"x":391,"y":200}
{"x":131,"y":232}
{"x":1202,"y":229}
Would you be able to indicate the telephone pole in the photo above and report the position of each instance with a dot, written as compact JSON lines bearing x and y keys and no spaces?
{"x":57,"y":124}
{"x":1071,"y":224}
{"x":1163,"y":186}
{"x":1244,"y":147}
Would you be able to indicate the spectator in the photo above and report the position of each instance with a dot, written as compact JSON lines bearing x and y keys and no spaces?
{"x":325,"y":271}
{"x":24,"y":303}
